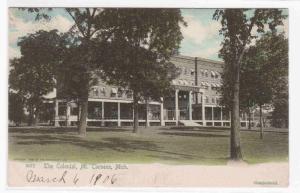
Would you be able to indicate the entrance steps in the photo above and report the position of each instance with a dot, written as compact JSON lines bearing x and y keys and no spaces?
{"x":188,"y":123}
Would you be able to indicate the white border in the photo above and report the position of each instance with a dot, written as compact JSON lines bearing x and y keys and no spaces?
{"x":294,"y":78}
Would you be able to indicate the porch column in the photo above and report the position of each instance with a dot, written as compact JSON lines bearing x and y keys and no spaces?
{"x":119,"y":114}
{"x":147,"y":116}
{"x":203,"y":110}
{"x":162,"y":123}
{"x":246,"y":125}
{"x":221,"y":116}
{"x":68,"y":113}
{"x":102,"y":115}
{"x":212,"y":116}
{"x":176,"y":106}
{"x":190,"y":105}
{"x":56,"y":123}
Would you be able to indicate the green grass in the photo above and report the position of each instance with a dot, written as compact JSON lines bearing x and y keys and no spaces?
{"x":181,"y":145}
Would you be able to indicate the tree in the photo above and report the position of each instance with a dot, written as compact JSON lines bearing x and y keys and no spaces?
{"x":33,"y":74}
{"x":264,"y":71}
{"x":89,"y":32}
{"x":139,"y":49}
{"x":15,"y":108}
{"x":237,"y":27}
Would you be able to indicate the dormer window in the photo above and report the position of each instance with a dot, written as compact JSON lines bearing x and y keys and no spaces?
{"x":113,"y":92}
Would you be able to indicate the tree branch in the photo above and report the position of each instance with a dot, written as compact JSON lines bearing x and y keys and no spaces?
{"x":76,"y":23}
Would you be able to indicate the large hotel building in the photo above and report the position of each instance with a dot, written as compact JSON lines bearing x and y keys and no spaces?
{"x":195,"y":101}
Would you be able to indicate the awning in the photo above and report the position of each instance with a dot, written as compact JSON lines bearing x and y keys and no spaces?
{"x":174,"y":82}
{"x":114,"y":90}
{"x":202,"y":83}
{"x":206,"y":83}
{"x":213,"y":73}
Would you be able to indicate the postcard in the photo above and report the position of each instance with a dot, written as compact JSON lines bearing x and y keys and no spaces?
{"x":148,"y":97}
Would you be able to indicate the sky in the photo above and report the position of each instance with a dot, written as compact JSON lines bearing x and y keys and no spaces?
{"x":201,"y":36}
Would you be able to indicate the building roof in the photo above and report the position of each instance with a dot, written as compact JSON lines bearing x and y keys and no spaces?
{"x":198,"y":59}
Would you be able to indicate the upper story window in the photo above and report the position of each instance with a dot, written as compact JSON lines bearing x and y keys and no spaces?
{"x":120,"y":92}
{"x":206,"y":73}
{"x":206,"y":99}
{"x":202,"y":73}
{"x":185,"y":71}
{"x":192,"y":72}
{"x":103,"y":91}
{"x":129,"y":94}
{"x":95,"y":91}
{"x":213,"y":100}
{"x":213,"y":74}
{"x":113,"y":92}
{"x":217,"y":75}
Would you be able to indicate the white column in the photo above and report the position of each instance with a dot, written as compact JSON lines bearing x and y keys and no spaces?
{"x":176,"y":106}
{"x":203,"y":110}
{"x":212,"y":116}
{"x":246,"y":120}
{"x":68,"y":113}
{"x":162,"y":123}
{"x":56,"y":123}
{"x":147,"y":114}
{"x":221,"y":116}
{"x":102,"y":115}
{"x":119,"y":114}
{"x":190,"y":105}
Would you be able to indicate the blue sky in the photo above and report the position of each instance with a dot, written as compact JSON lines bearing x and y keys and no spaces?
{"x":201,"y":36}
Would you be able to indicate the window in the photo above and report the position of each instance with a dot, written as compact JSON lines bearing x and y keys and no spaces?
{"x":129,"y":94}
{"x":102,"y":90}
{"x":213,"y":74}
{"x":113,"y":92}
{"x":206,"y":73}
{"x":202,"y":73}
{"x":217,"y":75}
{"x":213,"y":100}
{"x":206,"y":99}
{"x":95,"y":91}
{"x":192,"y":72}
{"x":185,"y":71}
{"x":120,"y":92}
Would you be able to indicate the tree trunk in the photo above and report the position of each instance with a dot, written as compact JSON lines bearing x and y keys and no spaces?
{"x":135,"y":113}
{"x":83,"y":116}
{"x":260,"y":122}
{"x":235,"y":147}
{"x":249,"y":120}
{"x":147,"y":109}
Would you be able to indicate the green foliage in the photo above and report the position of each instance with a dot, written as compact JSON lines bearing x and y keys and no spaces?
{"x":33,"y":74}
{"x":15,"y":108}
{"x":237,"y":27}
{"x":141,"y":44}
{"x":238,"y":32}
{"x":264,"y":70}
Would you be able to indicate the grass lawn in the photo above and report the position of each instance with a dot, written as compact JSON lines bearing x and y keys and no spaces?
{"x":175,"y":145}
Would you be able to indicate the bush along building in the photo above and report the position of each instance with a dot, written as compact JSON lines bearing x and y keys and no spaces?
{"x":195,"y":101}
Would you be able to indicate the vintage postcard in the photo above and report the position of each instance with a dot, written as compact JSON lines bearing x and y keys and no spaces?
{"x":148,"y":97}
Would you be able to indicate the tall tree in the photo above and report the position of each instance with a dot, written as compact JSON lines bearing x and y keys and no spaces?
{"x":237,"y":30}
{"x":264,"y":71}
{"x":33,"y":74}
{"x":142,"y":42}
{"x":89,"y":31}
